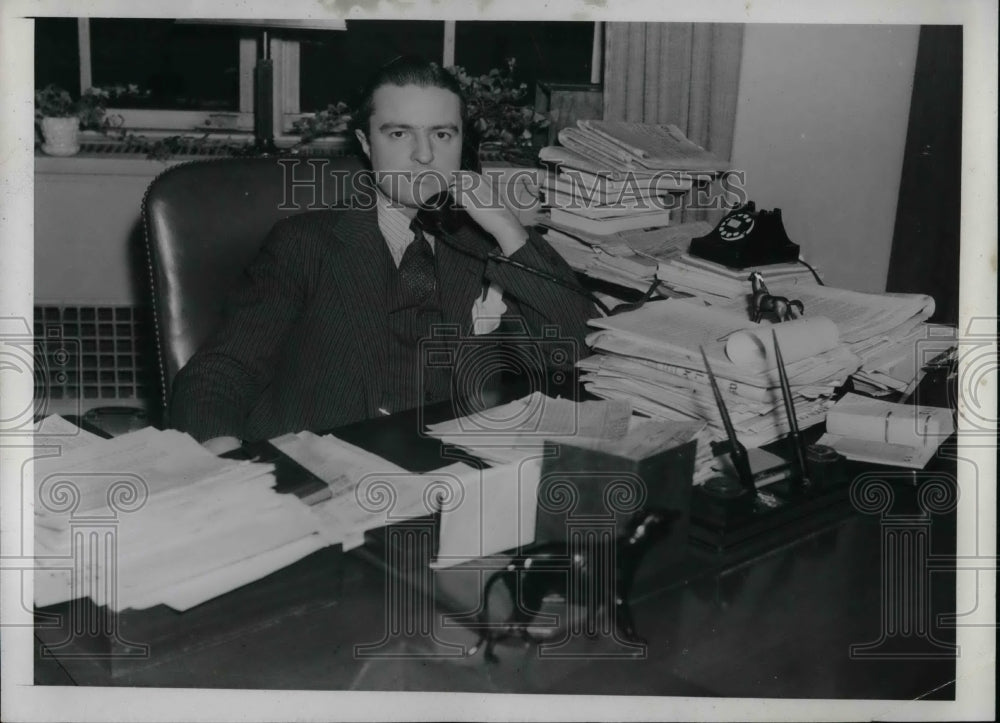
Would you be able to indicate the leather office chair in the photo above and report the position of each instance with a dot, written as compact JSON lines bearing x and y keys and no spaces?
{"x":205,"y":221}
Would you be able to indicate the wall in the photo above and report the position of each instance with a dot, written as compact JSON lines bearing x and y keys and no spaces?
{"x":88,"y":239}
{"x":820,"y":131}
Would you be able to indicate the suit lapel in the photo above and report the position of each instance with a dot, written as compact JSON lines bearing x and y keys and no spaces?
{"x":363,"y":262}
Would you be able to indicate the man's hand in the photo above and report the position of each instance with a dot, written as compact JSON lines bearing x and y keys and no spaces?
{"x":478,"y":197}
{"x":221,"y":445}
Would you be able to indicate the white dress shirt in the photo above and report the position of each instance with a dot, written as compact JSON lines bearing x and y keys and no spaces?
{"x":395,"y":226}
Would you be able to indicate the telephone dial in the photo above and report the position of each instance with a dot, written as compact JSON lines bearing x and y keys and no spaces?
{"x":747,"y":237}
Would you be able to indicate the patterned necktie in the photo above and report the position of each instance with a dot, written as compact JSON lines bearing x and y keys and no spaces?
{"x":417,"y":279}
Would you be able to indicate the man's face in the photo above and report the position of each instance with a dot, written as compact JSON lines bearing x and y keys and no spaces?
{"x":414,"y":130}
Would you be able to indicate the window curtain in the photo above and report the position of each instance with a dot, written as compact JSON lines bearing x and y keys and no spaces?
{"x":686,"y":74}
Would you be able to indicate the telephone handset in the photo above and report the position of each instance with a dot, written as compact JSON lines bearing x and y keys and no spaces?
{"x":747,"y":237}
{"x":440,"y":218}
{"x":439,"y":215}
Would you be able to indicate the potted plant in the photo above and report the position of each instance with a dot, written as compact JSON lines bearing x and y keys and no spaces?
{"x":61,"y":118}
{"x":55,"y":113}
{"x":499,"y":116}
{"x":505,"y":127}
{"x":333,"y":120}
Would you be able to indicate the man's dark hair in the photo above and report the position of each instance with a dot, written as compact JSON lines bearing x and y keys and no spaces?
{"x":406,"y":70}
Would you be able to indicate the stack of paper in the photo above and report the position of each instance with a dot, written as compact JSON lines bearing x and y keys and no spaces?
{"x":152,"y":518}
{"x":513,"y":432}
{"x":615,"y":176}
{"x":630,"y":258}
{"x":496,"y":512}
{"x":368,"y":491}
{"x":714,"y":282}
{"x":61,"y":435}
{"x":871,"y":430}
{"x":886,"y":331}
{"x":602,"y":206}
{"x":651,"y":358}
{"x":623,"y":146}
{"x":482,"y":512}
{"x":896,"y":365}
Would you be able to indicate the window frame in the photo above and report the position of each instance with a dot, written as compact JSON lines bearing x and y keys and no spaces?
{"x":286,"y":57}
{"x":147,"y":119}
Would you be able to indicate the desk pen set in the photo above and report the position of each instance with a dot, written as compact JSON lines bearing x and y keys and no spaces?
{"x":732,"y":508}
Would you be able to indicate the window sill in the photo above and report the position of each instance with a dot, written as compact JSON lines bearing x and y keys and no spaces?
{"x":105,"y":155}
{"x":100,"y":154}
{"x":89,"y":164}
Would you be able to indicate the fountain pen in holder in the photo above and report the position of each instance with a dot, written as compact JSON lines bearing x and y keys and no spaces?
{"x":723,"y":500}
{"x":816,"y":466}
{"x":801,"y":479}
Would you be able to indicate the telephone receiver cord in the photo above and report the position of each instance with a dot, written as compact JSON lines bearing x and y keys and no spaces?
{"x":442,"y":231}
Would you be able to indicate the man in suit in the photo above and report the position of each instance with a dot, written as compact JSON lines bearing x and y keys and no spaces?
{"x":337,"y":315}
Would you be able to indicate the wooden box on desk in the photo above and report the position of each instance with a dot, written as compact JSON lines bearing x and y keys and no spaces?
{"x":584,"y":487}
{"x":566,"y":103}
{"x":652,"y":468}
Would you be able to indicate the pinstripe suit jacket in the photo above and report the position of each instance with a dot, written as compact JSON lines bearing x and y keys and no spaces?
{"x":305,"y":339}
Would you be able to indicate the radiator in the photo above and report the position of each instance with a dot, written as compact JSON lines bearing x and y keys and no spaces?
{"x":91,"y":356}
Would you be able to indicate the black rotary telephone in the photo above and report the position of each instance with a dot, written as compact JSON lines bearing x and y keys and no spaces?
{"x":747,"y":237}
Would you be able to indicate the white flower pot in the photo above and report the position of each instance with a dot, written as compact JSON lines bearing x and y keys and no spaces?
{"x":62,"y":136}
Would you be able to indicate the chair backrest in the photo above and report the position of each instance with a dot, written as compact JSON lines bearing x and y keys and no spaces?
{"x":205,"y":221}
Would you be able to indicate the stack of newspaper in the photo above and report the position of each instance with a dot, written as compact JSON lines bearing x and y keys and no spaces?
{"x":618,"y":176}
{"x":620,"y":148}
{"x":152,"y":517}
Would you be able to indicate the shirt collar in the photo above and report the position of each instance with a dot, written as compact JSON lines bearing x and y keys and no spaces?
{"x":395,"y":227}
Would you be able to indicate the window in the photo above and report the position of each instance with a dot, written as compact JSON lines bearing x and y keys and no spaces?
{"x":366,"y":44}
{"x":554,"y":51}
{"x":558,"y":52}
{"x":196,"y":74}
{"x":169,"y":59}
{"x":57,"y":54}
{"x":201,"y":74}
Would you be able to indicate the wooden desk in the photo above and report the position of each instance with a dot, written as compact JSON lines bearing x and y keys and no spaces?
{"x":776,"y":621}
